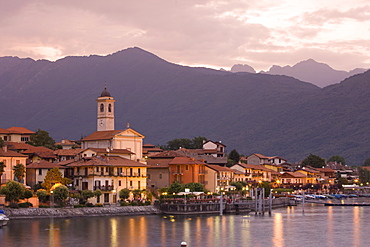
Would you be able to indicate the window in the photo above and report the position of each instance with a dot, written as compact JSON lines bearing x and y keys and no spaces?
{"x":24,"y":139}
{"x":119,"y":182}
{"x":130,"y":172}
{"x":77,"y":182}
{"x":148,"y":176}
{"x":109,"y":108}
{"x":131,"y":183}
{"x":138,"y":171}
{"x":101,"y":108}
{"x":160,"y":176}
{"x":97,"y":169}
{"x":187,"y":167}
{"x":107,"y":169}
{"x":40,"y":171}
{"x":138,"y":185}
{"x":106,"y":197}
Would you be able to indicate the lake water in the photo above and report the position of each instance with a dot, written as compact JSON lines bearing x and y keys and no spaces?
{"x":318,"y":226}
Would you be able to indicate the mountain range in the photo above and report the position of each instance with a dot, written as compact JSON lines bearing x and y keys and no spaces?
{"x":251,"y":112}
{"x":319,"y":74}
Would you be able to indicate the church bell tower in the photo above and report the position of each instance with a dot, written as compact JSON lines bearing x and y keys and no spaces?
{"x":105,"y":119}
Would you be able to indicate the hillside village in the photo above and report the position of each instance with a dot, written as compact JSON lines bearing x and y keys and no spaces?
{"x":110,"y":160}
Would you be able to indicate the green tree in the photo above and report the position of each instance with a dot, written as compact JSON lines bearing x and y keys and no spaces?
{"x":338,"y":159}
{"x":367,"y":162}
{"x":198,"y":141}
{"x":195,"y":187}
{"x":179,"y":143}
{"x":28,"y":194}
{"x":342,"y":181}
{"x":314,"y":161}
{"x":60,"y":194}
{"x":364,"y":175}
{"x":52,"y":177}
{"x":2,"y":169}
{"x":267,"y":186}
{"x":1,"y":142}
{"x":124,"y":194}
{"x":42,"y":195}
{"x":85,"y":195}
{"x":98,"y":193}
{"x":136,"y":194}
{"x":175,"y":187}
{"x":41,"y":138}
{"x":238,"y":185}
{"x":13,"y":191}
{"x":234,"y":156}
{"x":19,"y":171}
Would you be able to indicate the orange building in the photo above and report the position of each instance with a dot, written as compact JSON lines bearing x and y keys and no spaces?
{"x":187,"y":170}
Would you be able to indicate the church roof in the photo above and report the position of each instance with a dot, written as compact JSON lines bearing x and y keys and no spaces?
{"x":105,"y":93}
{"x":101,"y":135}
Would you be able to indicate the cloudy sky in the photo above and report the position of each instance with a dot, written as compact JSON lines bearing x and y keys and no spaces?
{"x":208,"y":33}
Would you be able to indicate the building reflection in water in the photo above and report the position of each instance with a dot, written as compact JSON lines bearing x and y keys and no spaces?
{"x":278,"y":239}
{"x":114,"y":233}
{"x":330,"y":227}
{"x":356,"y":226}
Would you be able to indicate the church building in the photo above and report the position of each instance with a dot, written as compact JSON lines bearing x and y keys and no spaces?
{"x":107,"y":137}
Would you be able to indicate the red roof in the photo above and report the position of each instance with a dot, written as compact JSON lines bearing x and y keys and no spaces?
{"x":20,"y":130}
{"x":10,"y":153}
{"x":43,"y":164}
{"x":220,"y":168}
{"x":185,"y":161}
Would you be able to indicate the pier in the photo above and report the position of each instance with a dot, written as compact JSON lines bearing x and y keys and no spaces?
{"x":213,"y":206}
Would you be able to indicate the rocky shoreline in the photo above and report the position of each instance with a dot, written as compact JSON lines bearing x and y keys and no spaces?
{"x":32,"y":213}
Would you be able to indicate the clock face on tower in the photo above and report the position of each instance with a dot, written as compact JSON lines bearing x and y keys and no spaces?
{"x":101,"y":123}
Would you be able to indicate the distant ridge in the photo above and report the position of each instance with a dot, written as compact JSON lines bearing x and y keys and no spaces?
{"x":269,"y":114}
{"x":319,"y":74}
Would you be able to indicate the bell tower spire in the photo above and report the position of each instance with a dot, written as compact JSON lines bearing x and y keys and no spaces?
{"x":105,"y":107}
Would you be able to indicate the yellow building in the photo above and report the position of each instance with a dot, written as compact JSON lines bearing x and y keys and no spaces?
{"x":11,"y":159}
{"x":110,"y":174}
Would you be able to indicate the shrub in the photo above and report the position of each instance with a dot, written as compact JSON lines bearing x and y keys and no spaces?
{"x":98,"y":205}
{"x":13,"y":205}
{"x":89,"y":204}
{"x":134,"y":203}
{"x":25,"y":205}
{"x":43,"y":206}
{"x":147,"y":203}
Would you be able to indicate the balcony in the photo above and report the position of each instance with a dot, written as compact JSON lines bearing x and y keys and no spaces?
{"x":178,"y":173}
{"x":104,"y":188}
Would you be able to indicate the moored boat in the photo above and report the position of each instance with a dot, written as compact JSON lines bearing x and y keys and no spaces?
{"x":3,"y":219}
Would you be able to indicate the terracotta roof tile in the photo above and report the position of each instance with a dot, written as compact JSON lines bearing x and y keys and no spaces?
{"x":20,"y":130}
{"x":158,"y":163}
{"x":220,"y":168}
{"x":185,"y":161}
{"x":68,"y":152}
{"x":43,"y":164}
{"x":10,"y":153}
{"x":102,"y":135}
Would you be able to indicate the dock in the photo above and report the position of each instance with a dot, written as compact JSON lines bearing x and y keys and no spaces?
{"x":202,"y":207}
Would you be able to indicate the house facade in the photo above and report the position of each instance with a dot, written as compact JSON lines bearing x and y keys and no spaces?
{"x":10,"y":160}
{"x":16,"y":134}
{"x":110,"y":174}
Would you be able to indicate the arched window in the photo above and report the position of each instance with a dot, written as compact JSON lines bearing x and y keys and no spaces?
{"x":101,"y":108}
{"x":109,"y":108}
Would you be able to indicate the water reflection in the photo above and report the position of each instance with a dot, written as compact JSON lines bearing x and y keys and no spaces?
{"x":278,"y":239}
{"x":318,"y":226}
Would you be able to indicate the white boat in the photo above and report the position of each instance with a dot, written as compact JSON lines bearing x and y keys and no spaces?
{"x":3,"y":219}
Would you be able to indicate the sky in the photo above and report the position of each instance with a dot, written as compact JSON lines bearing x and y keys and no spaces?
{"x":214,"y":34}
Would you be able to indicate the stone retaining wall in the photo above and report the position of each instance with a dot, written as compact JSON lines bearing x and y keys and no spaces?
{"x":31,"y":213}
